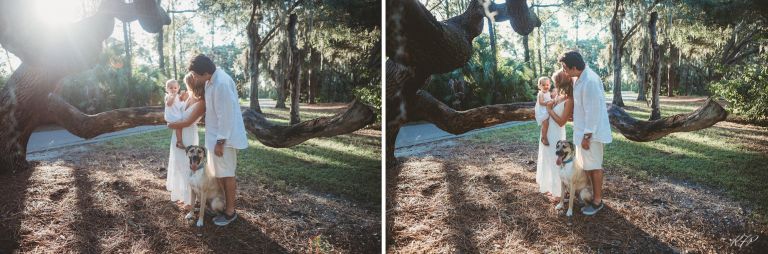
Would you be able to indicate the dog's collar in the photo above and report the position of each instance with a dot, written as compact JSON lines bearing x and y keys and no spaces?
{"x":568,"y":161}
{"x":199,"y":167}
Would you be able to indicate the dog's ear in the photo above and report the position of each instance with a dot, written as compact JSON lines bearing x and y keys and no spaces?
{"x":188,"y":148}
{"x":205,"y":151}
{"x":571,"y":144}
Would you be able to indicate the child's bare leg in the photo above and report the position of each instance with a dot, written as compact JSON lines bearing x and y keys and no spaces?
{"x":544,"y":129}
{"x":179,"y":142}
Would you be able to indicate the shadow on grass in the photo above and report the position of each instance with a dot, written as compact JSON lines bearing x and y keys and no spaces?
{"x":704,"y":161}
{"x":360,"y":181}
{"x":14,"y":188}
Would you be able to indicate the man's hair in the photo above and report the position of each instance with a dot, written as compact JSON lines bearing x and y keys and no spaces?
{"x":572,"y":59}
{"x":541,"y":80}
{"x":202,"y":65}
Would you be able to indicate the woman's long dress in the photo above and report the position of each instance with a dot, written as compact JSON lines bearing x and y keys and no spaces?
{"x":178,"y":163}
{"x":547,"y":171}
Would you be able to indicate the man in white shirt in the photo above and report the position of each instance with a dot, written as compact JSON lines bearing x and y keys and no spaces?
{"x":224,"y":128}
{"x":591,"y":128}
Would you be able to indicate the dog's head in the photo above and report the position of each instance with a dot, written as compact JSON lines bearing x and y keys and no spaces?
{"x":564,"y":151}
{"x":196,"y":156}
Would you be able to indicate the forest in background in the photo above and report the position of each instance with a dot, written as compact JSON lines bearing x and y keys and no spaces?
{"x":338,"y":47}
{"x":706,"y":48}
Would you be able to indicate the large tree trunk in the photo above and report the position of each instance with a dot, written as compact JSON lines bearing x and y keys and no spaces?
{"x":617,"y":37}
{"x":282,"y":84}
{"x":161,"y":53}
{"x":254,"y":39}
{"x":641,"y":72}
{"x":494,"y":61}
{"x":314,"y":75}
{"x":127,"y":68}
{"x":655,"y":68}
{"x":294,"y":69}
{"x":672,"y":79}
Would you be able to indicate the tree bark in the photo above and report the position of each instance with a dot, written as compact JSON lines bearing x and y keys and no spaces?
{"x":127,"y":68}
{"x":314,"y":75}
{"x":439,"y":47}
{"x":655,"y":68}
{"x":494,"y":61}
{"x":254,"y":39}
{"x":672,"y":79}
{"x":642,"y":131}
{"x":426,"y":107}
{"x":294,"y":69}
{"x":282,"y":82}
{"x":161,"y":53}
{"x":618,"y":36}
{"x":641,"y":72}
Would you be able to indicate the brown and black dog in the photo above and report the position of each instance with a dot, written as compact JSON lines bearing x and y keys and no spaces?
{"x":205,"y":188}
{"x":572,"y":176}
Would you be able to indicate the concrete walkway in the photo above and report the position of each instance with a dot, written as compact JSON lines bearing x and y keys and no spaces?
{"x":420,"y":133}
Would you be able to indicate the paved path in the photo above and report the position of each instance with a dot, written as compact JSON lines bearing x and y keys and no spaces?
{"x":57,"y":137}
{"x":420,"y":133}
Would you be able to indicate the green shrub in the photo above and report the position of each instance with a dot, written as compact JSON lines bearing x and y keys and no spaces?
{"x":746,"y":90}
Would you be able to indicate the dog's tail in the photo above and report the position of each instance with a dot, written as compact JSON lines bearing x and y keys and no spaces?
{"x":217,"y":204}
{"x":586,"y":194}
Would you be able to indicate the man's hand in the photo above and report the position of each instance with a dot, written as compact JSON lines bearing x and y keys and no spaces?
{"x":174,"y":125}
{"x":585,"y":143}
{"x":219,"y":150}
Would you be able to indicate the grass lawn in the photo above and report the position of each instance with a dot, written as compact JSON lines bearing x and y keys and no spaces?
{"x":728,"y":156}
{"x":348,"y":165}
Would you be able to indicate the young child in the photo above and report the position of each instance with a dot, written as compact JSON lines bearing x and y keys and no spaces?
{"x":174,"y":107}
{"x":541,"y":108}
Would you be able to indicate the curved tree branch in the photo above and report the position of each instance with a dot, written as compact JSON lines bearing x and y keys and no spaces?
{"x":357,"y":116}
{"x":89,"y":126}
{"x":426,"y":107}
{"x":642,"y":131}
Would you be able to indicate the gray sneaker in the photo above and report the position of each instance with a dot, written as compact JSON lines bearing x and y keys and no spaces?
{"x":592,"y":209}
{"x":223,"y":219}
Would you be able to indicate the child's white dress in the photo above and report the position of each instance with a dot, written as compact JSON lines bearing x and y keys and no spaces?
{"x":178,"y":164}
{"x":541,"y":110}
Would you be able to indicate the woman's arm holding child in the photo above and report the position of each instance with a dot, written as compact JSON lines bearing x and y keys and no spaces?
{"x":196,"y":113}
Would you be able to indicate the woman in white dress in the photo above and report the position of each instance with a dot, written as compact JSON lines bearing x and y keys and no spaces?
{"x":560,"y":111}
{"x":178,"y":163}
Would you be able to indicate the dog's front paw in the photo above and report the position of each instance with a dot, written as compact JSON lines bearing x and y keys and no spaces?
{"x":200,"y":223}
{"x":559,"y":206}
{"x":569,"y":213}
